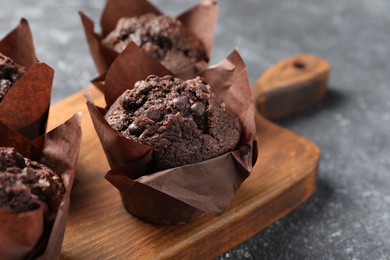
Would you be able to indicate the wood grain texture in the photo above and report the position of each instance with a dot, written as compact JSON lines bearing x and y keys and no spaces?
{"x":100,"y":228}
{"x":291,"y":86}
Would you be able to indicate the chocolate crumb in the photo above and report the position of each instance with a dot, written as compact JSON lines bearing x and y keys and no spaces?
{"x":10,"y":72}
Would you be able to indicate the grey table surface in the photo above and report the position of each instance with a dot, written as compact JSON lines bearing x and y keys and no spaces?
{"x":348,"y":217}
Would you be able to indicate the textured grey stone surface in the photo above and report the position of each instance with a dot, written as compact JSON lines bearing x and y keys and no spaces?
{"x":349,"y":215}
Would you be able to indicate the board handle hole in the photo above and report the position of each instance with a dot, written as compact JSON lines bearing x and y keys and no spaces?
{"x":299,"y":64}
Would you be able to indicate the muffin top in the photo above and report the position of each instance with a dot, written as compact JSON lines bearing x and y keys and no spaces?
{"x":10,"y":72}
{"x":24,"y":184}
{"x":183,"y":120}
{"x":162,"y":37}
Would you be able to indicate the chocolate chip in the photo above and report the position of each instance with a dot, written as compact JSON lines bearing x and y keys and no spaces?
{"x":130,"y":104}
{"x":168,"y":77}
{"x":124,"y":34}
{"x":203,"y":88}
{"x":128,"y":101}
{"x":125,"y":124}
{"x":198,"y":108}
{"x":188,"y":53}
{"x":134,"y":129}
{"x":143,"y":87}
{"x":14,"y":77}
{"x":164,"y":42}
{"x":177,"y":81}
{"x":139,"y":84}
{"x":180,"y":102}
{"x":159,"y":54}
{"x":139,"y":102}
{"x":154,"y":114}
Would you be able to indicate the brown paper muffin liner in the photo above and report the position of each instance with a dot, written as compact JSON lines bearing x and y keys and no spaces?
{"x":29,"y":235}
{"x":25,"y":107}
{"x":201,"y":20}
{"x":180,"y":194}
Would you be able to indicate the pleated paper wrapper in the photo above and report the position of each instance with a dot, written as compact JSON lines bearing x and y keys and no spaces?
{"x":182,"y":194}
{"x":200,"y":20}
{"x":25,"y":106}
{"x":30,"y":235}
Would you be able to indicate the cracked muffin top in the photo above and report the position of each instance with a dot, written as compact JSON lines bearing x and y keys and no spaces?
{"x":183,"y":120}
{"x":162,"y":37}
{"x":25,"y":184}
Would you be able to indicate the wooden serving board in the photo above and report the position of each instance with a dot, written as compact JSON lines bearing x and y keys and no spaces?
{"x":100,"y":228}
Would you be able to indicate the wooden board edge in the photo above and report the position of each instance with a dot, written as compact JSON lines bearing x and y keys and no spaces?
{"x":266,"y":211}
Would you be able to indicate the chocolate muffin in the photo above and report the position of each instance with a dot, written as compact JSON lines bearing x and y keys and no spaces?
{"x":162,"y":37}
{"x":183,"y":120}
{"x":10,"y":72}
{"x":24,"y":184}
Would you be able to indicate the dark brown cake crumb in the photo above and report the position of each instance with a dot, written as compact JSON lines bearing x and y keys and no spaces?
{"x":10,"y":72}
{"x":162,"y":37}
{"x":184,"y":121}
{"x":24,"y":184}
